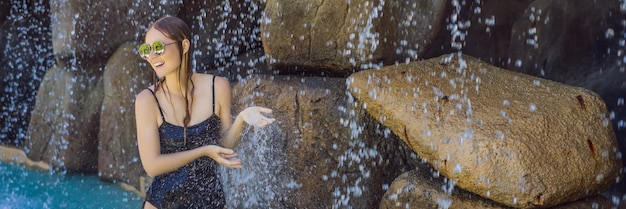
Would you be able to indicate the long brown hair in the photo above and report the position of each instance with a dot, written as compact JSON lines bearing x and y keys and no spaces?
{"x":176,"y":29}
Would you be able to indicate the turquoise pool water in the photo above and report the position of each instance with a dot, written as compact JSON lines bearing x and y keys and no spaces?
{"x":22,"y":187}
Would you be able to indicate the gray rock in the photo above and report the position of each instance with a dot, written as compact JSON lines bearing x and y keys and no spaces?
{"x":87,"y":33}
{"x":64,"y":124}
{"x":223,"y":31}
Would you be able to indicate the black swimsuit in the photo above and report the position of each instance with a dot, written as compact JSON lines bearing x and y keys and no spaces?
{"x":197,"y":184}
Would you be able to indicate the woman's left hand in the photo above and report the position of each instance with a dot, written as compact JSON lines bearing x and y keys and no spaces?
{"x":254,"y":116}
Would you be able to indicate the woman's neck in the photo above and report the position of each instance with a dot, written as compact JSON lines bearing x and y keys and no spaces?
{"x":173,"y":85}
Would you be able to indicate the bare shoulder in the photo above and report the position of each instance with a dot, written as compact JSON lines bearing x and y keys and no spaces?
{"x":207,"y":79}
{"x":144,"y":98}
{"x":145,"y":108}
{"x":222,"y":83}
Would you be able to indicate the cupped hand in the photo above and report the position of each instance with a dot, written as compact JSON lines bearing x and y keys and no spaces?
{"x":224,"y":156}
{"x":254,"y":116}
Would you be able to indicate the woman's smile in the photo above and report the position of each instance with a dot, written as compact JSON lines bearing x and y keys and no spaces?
{"x":158,"y":64}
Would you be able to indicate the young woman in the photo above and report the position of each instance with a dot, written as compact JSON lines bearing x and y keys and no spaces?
{"x":184,"y":123}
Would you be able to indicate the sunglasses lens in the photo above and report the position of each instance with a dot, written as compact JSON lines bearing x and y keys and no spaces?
{"x":158,"y":47}
{"x":144,"y":51}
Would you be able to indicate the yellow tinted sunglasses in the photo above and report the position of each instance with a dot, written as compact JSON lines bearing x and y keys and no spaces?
{"x":157,"y":47}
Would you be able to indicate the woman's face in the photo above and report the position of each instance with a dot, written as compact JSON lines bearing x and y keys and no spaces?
{"x":169,"y":61}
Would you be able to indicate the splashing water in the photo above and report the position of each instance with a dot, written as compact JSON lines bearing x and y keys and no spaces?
{"x":259,"y":183}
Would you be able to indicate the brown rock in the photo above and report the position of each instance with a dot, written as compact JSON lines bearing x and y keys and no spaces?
{"x":419,"y":189}
{"x":64,"y":124}
{"x":125,"y":75}
{"x":320,"y":153}
{"x":512,"y":138}
{"x":336,"y":37}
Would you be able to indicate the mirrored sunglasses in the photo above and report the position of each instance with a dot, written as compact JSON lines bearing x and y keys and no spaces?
{"x":157,"y":47}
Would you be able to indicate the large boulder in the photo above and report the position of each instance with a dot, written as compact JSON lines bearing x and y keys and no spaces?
{"x":516,"y":139}
{"x":420,"y":189}
{"x":336,"y":37}
{"x":63,"y":127}
{"x":124,"y":77}
{"x":322,"y":151}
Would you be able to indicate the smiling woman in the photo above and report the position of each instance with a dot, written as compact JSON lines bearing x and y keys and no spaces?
{"x":184,"y":124}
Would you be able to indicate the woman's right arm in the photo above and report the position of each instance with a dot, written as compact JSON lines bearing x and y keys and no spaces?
{"x":153,"y":161}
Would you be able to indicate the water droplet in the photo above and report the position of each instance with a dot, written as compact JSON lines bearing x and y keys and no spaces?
{"x":532,"y":107}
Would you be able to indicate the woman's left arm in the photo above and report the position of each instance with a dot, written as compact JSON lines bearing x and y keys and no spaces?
{"x":231,"y":130}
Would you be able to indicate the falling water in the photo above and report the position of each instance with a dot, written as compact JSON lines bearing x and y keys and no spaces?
{"x":259,"y":183}
{"x":353,"y":158}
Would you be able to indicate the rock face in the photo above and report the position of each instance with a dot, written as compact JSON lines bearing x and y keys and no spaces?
{"x":125,"y":76}
{"x":62,"y":124}
{"x":224,"y":30}
{"x":516,"y":139}
{"x":82,"y":118}
{"x":419,"y":189}
{"x":320,"y":152}
{"x":86,"y":34}
{"x":595,"y":28}
{"x":335,"y":37}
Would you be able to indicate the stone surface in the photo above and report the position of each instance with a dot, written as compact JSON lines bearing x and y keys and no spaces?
{"x":64,"y":124}
{"x":335,"y":37}
{"x":5,"y":9}
{"x":579,"y":43}
{"x":516,"y":139}
{"x":419,"y":189}
{"x":124,"y":77}
{"x":14,"y":155}
{"x":87,"y":33}
{"x":321,"y":152}
{"x":251,"y":62}
{"x":26,"y":56}
{"x":482,"y":29}
{"x":224,"y":30}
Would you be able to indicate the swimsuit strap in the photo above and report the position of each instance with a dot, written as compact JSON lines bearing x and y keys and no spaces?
{"x":158,"y":105}
{"x":213,"y":94}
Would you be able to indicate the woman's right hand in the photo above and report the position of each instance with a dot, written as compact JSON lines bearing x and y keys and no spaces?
{"x":255,"y":116}
{"x":224,"y":156}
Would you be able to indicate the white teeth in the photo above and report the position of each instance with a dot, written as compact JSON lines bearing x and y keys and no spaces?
{"x":158,"y":64}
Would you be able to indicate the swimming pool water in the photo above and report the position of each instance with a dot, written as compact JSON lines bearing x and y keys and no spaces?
{"x":23,"y":187}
